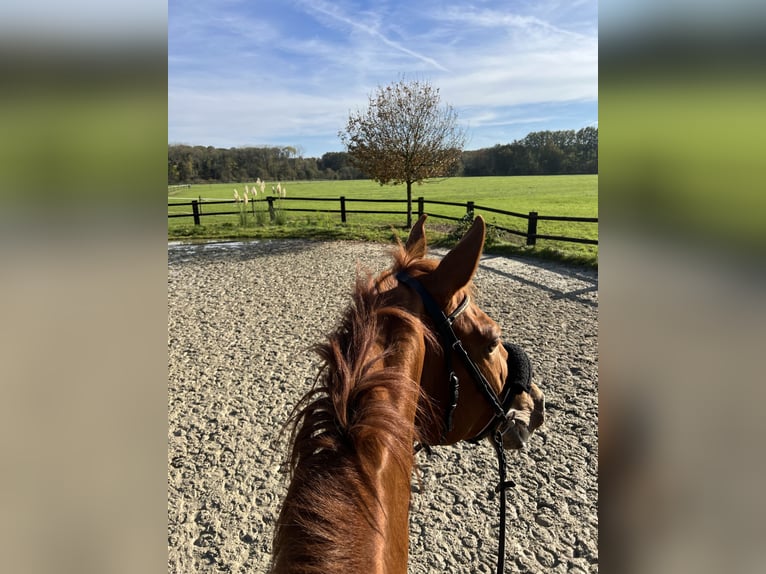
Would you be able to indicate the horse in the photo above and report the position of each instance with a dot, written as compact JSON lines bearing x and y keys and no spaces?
{"x":388,"y":382}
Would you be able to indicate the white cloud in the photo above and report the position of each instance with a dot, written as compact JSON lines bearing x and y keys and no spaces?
{"x":249,"y":116}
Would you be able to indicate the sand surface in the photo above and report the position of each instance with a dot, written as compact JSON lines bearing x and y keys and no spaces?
{"x":241,"y":318}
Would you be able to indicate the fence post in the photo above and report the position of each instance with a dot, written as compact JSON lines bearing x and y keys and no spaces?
{"x":532,"y":228}
{"x":469,"y":208}
{"x":195,"y":210}
{"x":342,"y":209}
{"x":421,"y":206}
{"x":272,"y":216}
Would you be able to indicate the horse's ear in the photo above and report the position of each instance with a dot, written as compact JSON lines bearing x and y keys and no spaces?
{"x":458,"y":266}
{"x":416,"y":243}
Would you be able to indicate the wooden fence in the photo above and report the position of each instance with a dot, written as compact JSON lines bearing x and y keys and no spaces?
{"x":471,"y":209}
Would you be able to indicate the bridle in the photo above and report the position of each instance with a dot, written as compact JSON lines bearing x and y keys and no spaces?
{"x":501,"y":422}
{"x":518,"y":364}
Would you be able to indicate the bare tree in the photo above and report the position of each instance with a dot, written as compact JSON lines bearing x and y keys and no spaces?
{"x":404,"y":136}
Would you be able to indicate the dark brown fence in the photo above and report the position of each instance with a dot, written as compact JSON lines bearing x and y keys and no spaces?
{"x":470,"y":207}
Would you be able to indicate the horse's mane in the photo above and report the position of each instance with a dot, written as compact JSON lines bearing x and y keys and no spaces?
{"x":336,"y":430}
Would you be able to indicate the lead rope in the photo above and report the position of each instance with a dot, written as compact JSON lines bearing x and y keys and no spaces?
{"x":497,"y":441}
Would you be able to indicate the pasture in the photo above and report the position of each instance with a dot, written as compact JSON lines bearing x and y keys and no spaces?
{"x":571,"y":196}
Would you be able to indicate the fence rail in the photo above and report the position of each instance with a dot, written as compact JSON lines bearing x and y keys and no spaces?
{"x":470,"y":207}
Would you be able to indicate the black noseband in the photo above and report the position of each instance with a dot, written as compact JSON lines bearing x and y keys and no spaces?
{"x":519,"y":370}
{"x":519,"y":380}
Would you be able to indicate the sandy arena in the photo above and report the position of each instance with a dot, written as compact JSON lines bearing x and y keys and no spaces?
{"x":241,"y":320}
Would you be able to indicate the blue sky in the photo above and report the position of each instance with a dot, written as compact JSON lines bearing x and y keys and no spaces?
{"x":289,"y":72}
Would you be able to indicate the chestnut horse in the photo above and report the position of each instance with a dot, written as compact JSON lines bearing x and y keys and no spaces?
{"x":389,"y":379}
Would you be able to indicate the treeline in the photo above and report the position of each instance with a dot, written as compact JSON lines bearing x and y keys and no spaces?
{"x":539,"y":153}
{"x":200,"y":164}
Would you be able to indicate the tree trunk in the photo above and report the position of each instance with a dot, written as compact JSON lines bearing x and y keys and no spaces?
{"x":409,"y":205}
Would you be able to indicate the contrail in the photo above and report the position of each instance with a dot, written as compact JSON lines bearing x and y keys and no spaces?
{"x":327,"y":11}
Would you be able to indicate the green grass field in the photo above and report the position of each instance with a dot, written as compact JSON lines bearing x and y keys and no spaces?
{"x":548,"y":195}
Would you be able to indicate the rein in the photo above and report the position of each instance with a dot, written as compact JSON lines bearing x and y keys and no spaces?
{"x":501,"y":422}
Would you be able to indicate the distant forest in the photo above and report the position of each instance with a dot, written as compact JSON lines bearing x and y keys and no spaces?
{"x":539,"y":153}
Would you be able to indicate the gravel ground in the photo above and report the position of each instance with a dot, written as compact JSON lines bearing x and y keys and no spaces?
{"x":241,"y":318}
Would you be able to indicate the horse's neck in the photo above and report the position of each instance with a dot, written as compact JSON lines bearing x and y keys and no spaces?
{"x":393,"y":489}
{"x":372,"y":537}
{"x":392,"y":477}
{"x":359,"y":527}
